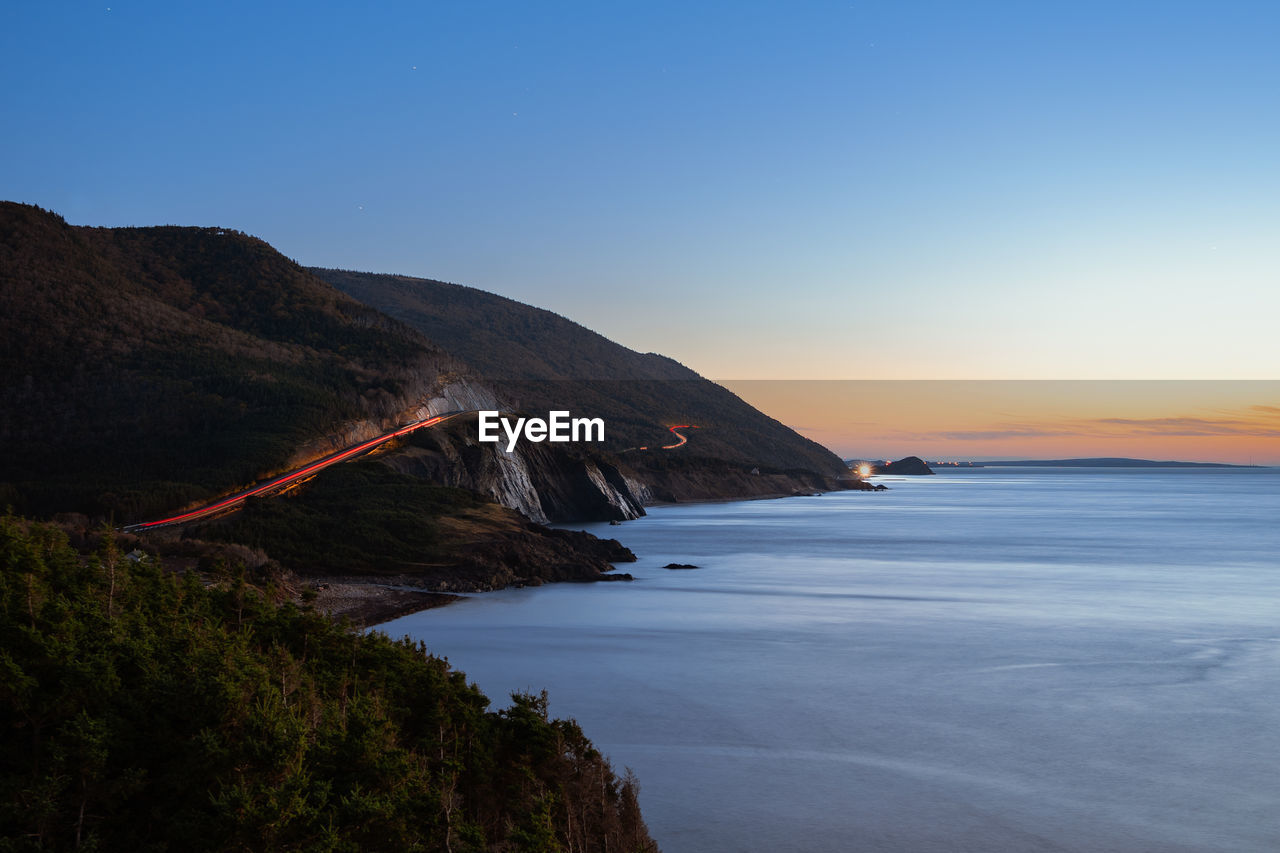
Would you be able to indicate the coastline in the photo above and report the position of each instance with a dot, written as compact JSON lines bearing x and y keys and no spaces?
{"x":771,"y":496}
{"x":368,"y":603}
{"x":911,"y":639}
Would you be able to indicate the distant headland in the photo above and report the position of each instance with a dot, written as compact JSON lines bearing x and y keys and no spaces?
{"x":1095,"y":462}
{"x":863,"y":468}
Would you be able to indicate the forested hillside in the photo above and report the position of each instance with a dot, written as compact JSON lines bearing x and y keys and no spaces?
{"x":145,"y":711}
{"x":141,"y":368}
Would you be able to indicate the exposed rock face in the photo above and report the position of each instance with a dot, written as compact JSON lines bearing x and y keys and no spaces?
{"x":641,"y":490}
{"x":543,"y":481}
{"x":910,"y":465}
{"x":460,"y":395}
{"x":437,"y":395}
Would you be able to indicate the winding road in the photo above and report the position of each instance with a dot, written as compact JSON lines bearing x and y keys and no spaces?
{"x":285,"y":480}
{"x":681,"y":442}
{"x":682,"y":438}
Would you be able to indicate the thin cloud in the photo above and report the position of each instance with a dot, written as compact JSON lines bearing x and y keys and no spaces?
{"x":1186,"y":427}
{"x":1192,"y":426}
{"x":999,"y":431}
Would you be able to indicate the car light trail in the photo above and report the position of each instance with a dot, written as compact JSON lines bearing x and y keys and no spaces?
{"x":293,"y":477}
{"x":682,"y":438}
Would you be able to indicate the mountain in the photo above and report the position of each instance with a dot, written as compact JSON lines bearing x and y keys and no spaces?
{"x":142,"y":368}
{"x":543,"y":362}
{"x":147,"y":370}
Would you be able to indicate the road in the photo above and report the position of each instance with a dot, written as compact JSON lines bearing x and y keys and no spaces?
{"x":289,"y":479}
{"x":286,"y":480}
{"x":667,"y":446}
{"x":678,"y":435}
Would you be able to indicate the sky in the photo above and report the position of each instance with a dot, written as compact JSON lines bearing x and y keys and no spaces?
{"x":761,"y":190}
{"x":982,"y":420}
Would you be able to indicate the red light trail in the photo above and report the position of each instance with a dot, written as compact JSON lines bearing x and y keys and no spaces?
{"x":680,"y":443}
{"x":290,"y":478}
{"x":302,"y":473}
{"x":682,"y":438}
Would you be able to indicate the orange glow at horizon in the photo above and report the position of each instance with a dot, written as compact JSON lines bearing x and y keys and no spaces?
{"x":1236,"y":422}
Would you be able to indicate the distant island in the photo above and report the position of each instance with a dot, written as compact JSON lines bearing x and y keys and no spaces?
{"x":1097,"y":462}
{"x":863,"y":468}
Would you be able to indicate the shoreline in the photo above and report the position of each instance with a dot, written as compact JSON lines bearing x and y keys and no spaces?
{"x":769,"y":496}
{"x":772,"y":496}
{"x":369,"y":603}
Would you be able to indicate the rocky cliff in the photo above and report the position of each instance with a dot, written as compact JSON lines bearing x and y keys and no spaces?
{"x":545,"y":482}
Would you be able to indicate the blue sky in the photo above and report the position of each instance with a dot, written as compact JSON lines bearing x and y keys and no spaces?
{"x":760,"y":190}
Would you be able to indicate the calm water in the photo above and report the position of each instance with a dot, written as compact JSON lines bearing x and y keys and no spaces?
{"x":993,"y":660}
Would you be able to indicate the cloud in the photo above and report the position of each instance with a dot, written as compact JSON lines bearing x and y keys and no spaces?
{"x":1240,"y":425}
{"x":998,"y":431}
{"x":1192,"y":426}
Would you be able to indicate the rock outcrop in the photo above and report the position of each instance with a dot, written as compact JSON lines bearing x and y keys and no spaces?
{"x":452,"y":391}
{"x":501,"y":550}
{"x":545,"y":482}
{"x":494,"y":548}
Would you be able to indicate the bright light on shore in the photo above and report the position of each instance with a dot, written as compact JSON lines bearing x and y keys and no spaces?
{"x":864,"y":470}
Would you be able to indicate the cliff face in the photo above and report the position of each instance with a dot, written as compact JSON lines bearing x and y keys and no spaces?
{"x":545,"y":482}
{"x":439,"y":394}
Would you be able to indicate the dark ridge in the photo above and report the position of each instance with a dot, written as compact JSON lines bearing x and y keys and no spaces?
{"x":143,"y":368}
{"x":543,"y":361}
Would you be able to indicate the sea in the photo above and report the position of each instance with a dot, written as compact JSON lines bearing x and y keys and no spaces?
{"x":990,"y":659}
